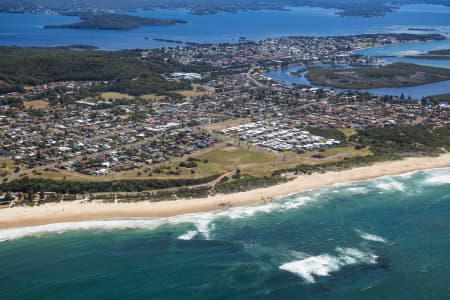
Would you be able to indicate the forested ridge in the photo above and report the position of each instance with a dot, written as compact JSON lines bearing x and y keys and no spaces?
{"x":126,"y":70}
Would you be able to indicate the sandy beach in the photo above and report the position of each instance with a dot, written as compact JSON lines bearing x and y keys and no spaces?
{"x":75,"y":211}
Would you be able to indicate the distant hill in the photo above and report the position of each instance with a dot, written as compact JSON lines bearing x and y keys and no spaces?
{"x":116,"y":22}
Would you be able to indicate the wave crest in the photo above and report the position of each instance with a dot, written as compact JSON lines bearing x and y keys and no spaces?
{"x":438,"y":180}
{"x":370,"y":237}
{"x":188,"y":235}
{"x":391,"y":186}
{"x":203,"y":222}
{"x":325,"y":264}
{"x":16,"y":233}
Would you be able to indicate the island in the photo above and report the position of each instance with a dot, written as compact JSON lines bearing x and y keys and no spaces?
{"x":420,"y":29}
{"x":116,"y":22}
{"x":435,"y":54}
{"x":298,"y":72}
{"x":167,"y":40}
{"x":393,"y":75}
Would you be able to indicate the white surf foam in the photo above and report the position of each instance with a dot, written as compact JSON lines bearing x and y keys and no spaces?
{"x":321,"y":265}
{"x":325,"y":264}
{"x":188,"y":235}
{"x":370,"y":236}
{"x":203,"y":222}
{"x":391,"y":186}
{"x":295,"y":203}
{"x":16,"y":233}
{"x":357,"y":190}
{"x":438,"y":180}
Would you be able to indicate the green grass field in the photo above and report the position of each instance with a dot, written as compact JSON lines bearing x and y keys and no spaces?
{"x":348,"y":132}
{"x":115,"y":96}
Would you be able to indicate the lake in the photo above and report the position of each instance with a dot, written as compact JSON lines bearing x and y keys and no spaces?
{"x":27,"y":29}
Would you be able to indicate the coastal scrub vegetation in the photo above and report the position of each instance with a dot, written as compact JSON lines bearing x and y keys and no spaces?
{"x":388,"y":142}
{"x":35,"y":185}
{"x":245,"y":182}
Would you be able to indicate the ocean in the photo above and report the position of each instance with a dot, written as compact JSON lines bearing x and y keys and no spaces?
{"x":387,"y":238}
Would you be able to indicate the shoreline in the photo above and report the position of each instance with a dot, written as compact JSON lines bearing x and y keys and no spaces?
{"x":17,"y":217}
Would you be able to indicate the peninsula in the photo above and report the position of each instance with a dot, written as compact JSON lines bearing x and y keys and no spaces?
{"x":116,"y":22}
{"x":393,"y":75}
{"x":435,"y":54}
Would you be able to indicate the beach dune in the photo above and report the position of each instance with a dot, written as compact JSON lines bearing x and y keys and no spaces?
{"x":76,"y":211}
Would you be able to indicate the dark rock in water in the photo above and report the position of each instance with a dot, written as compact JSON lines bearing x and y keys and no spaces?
{"x":383,"y":262}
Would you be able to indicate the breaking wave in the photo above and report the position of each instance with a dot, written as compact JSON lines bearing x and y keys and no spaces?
{"x":357,"y":190}
{"x":203,"y":222}
{"x":370,"y":236}
{"x":16,"y":233}
{"x":325,"y":264}
{"x":391,"y":186}
{"x":188,"y":235}
{"x":438,"y":180}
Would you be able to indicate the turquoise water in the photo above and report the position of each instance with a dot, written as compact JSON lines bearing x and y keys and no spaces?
{"x":27,"y":30}
{"x":387,"y":238}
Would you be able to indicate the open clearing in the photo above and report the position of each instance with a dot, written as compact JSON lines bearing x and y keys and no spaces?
{"x":36,"y":104}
